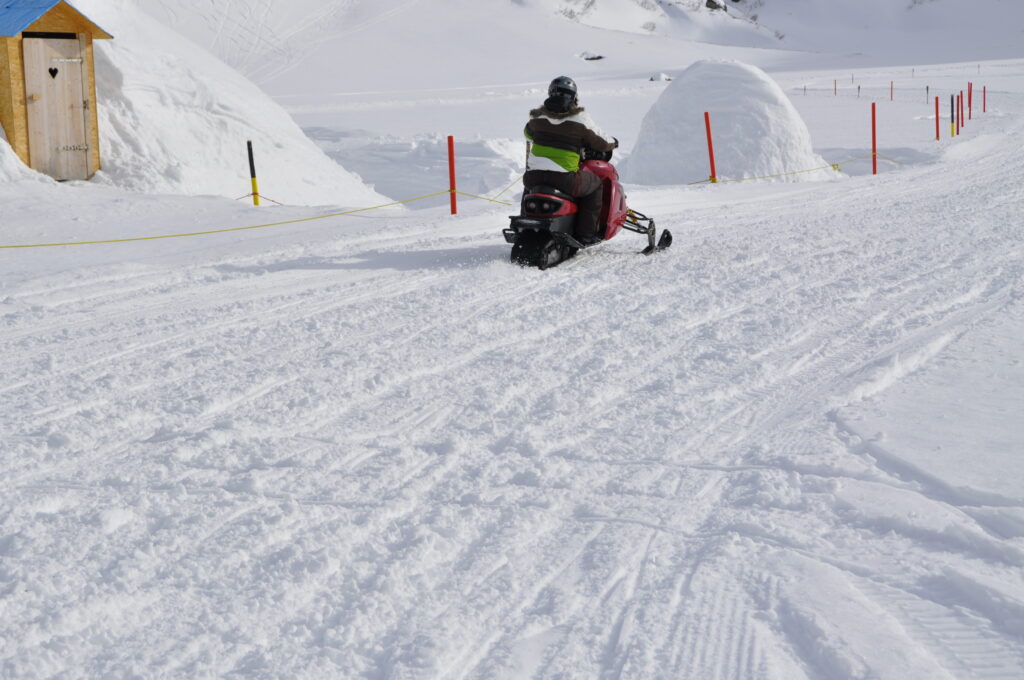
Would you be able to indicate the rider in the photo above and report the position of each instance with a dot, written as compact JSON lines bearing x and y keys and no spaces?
{"x":560,"y":131}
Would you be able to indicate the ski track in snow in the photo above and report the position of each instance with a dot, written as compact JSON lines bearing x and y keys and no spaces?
{"x":406,"y":458}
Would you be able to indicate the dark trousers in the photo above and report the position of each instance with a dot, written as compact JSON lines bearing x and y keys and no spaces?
{"x":584,"y":186}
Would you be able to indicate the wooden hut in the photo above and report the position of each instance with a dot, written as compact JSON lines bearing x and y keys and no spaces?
{"x":48,"y":86}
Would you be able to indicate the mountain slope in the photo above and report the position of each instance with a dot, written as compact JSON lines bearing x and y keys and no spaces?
{"x":914,"y":31}
{"x":290,"y":47}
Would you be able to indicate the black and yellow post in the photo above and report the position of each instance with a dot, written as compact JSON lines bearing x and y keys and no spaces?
{"x":252,"y":174}
{"x":952,"y":115}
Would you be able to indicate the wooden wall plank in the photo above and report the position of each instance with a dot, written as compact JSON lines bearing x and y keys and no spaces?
{"x":7,"y":84}
{"x":42,"y":129}
{"x":13,"y":113}
{"x":95,"y":164}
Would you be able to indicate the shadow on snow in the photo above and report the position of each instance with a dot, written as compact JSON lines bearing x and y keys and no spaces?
{"x":406,"y":260}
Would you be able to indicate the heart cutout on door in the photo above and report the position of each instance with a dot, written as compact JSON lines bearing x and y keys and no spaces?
{"x":53,"y":73}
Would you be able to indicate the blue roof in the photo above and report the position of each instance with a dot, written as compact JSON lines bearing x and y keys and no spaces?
{"x":17,"y":15}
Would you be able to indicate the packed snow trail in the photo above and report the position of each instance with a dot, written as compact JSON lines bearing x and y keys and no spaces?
{"x":390,"y":454}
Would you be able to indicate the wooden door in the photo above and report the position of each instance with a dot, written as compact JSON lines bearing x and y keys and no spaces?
{"x":56,"y":100}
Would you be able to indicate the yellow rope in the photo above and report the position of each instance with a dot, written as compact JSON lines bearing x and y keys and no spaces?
{"x":891,"y":160}
{"x":482,"y":198}
{"x":781,"y":174}
{"x":833,"y":166}
{"x":226,"y":230}
{"x":514,"y":182}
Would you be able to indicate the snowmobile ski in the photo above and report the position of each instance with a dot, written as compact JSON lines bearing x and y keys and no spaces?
{"x":635,"y":222}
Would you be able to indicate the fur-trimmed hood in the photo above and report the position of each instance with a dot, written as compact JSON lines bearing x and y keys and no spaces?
{"x":544,"y":112}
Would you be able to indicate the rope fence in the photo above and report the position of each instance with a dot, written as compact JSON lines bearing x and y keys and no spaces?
{"x":224,"y":230}
{"x":453,"y":191}
{"x":489,"y":199}
{"x":832,"y":166}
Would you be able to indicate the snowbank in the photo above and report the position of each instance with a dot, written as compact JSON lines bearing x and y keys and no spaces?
{"x":174,"y":119}
{"x":757,"y":131}
{"x":11,"y":167}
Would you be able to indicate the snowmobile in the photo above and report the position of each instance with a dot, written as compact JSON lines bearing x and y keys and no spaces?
{"x":542,"y":233}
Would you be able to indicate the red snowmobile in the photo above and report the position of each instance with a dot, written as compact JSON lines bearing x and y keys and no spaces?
{"x":542,"y":233}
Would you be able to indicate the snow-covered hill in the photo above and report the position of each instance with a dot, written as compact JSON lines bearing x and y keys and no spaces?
{"x":685,"y":19}
{"x":270,"y":37}
{"x":285,"y":45}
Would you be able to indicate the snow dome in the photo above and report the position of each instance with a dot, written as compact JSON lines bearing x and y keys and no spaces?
{"x":757,"y":130}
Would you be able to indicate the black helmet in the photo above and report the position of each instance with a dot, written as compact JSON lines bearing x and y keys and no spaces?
{"x":562,"y":85}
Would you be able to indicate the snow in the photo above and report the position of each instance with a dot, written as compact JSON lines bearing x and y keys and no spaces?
{"x":366,"y":446}
{"x":921,"y":415}
{"x":11,"y":167}
{"x":417,"y":166}
{"x":757,"y":131}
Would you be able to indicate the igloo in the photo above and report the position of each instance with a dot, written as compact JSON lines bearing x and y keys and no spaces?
{"x":757,"y":130}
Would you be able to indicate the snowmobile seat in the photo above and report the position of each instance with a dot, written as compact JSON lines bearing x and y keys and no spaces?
{"x":549,"y":190}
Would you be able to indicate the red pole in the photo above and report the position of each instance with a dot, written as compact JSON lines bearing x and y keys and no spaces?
{"x":970,"y":101}
{"x":874,"y":139}
{"x":451,"y":173}
{"x":938,"y":132}
{"x":711,"y":148}
{"x":962,"y":121}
